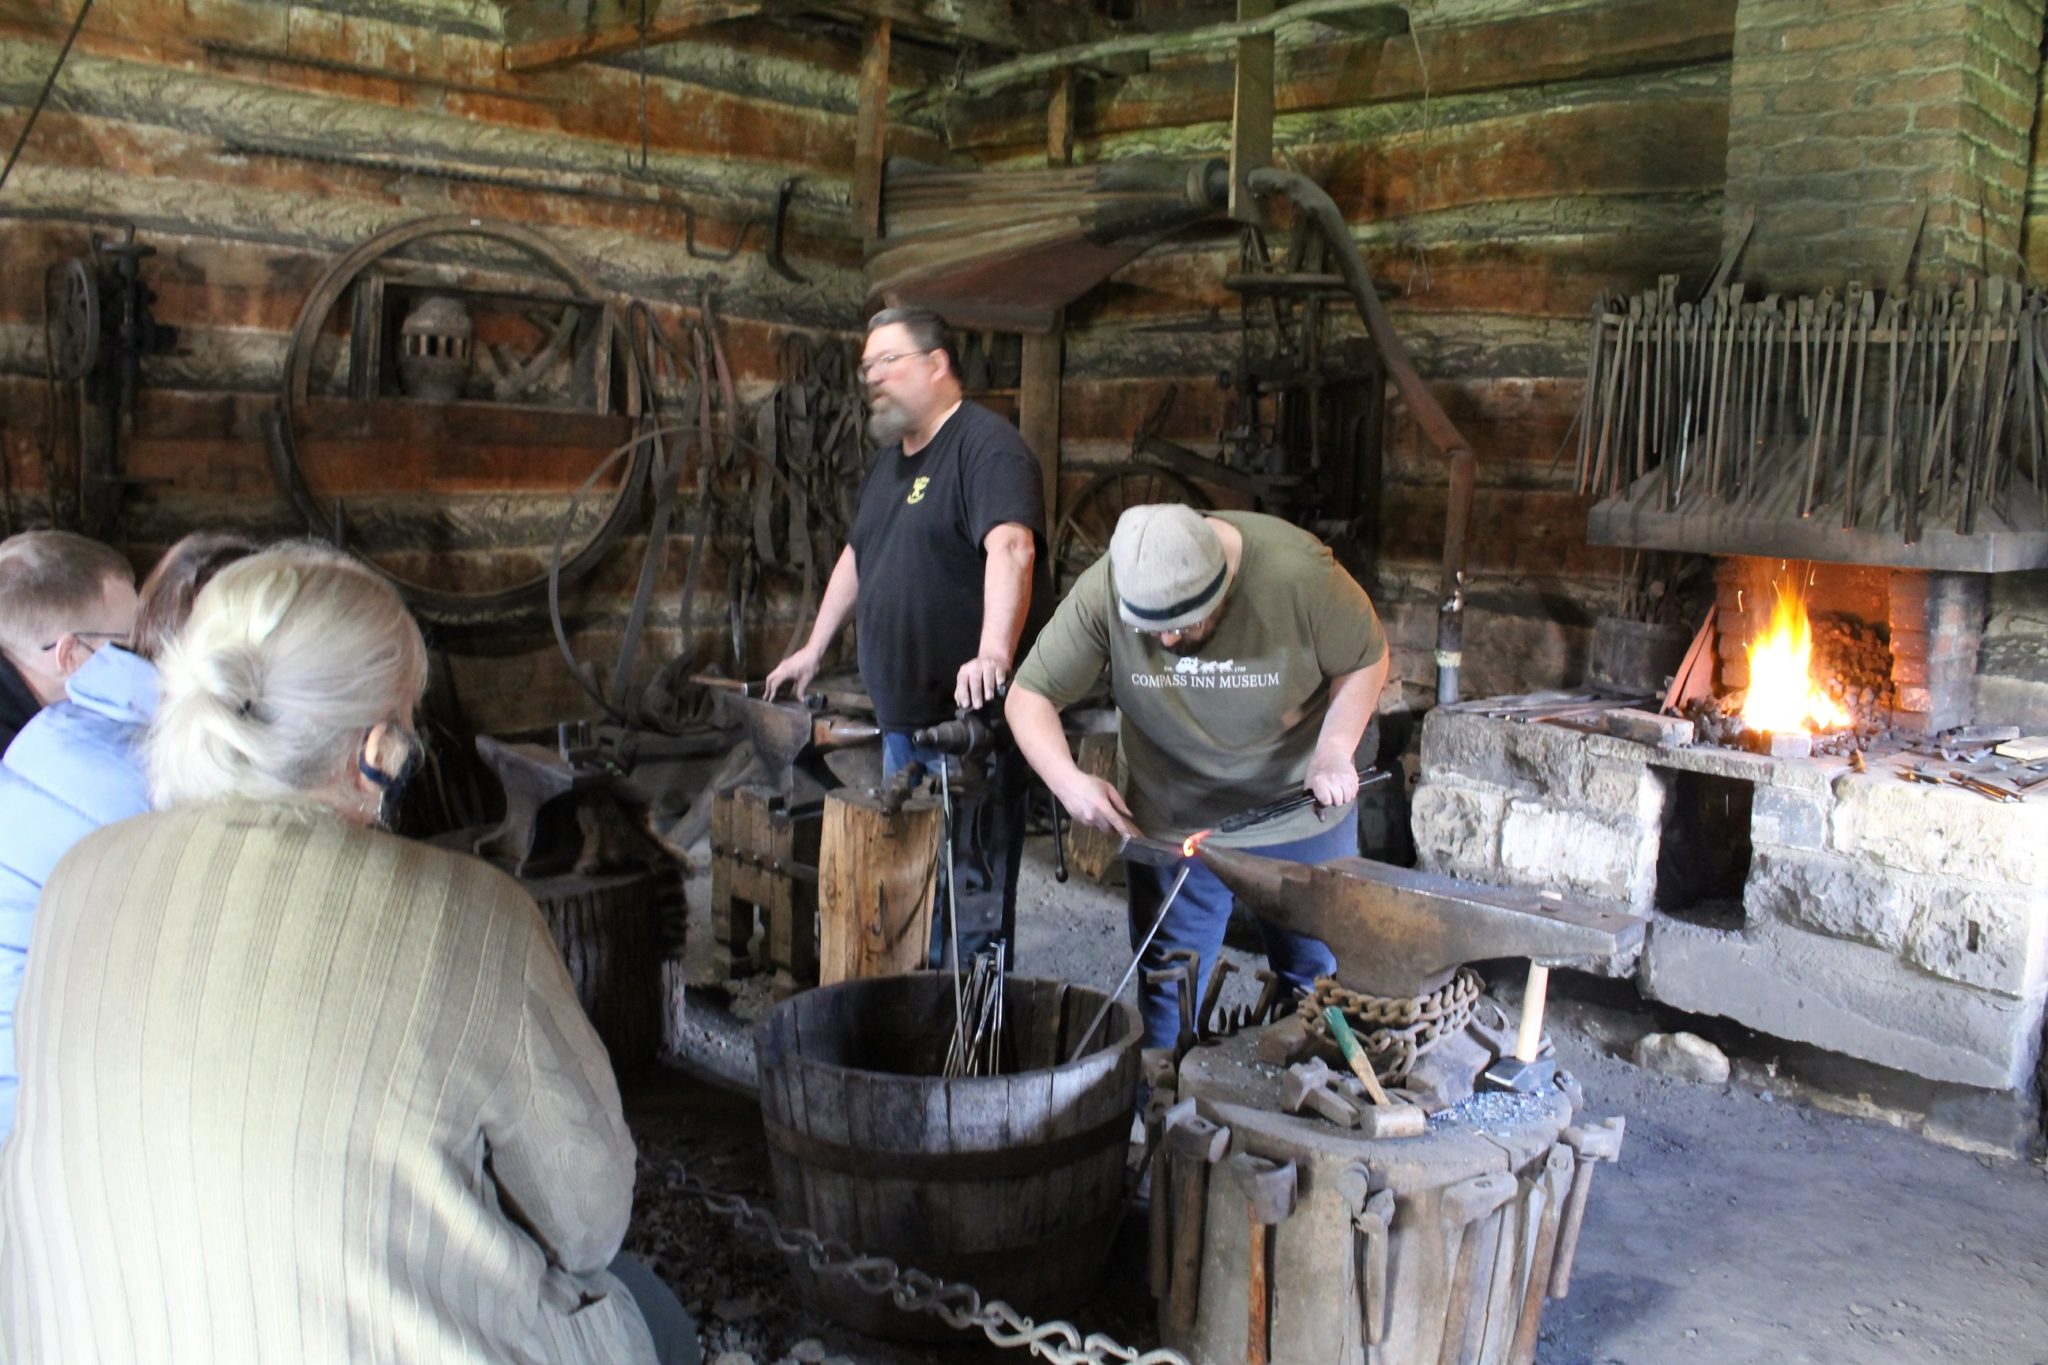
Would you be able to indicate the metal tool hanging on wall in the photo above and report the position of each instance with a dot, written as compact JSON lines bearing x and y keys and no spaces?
{"x":1893,"y":411}
{"x":99,"y":326}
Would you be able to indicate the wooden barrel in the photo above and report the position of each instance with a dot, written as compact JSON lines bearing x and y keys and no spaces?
{"x":609,"y":928}
{"x":1012,"y":1183}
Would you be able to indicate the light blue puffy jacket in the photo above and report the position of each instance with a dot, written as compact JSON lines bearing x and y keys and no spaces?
{"x":75,"y":766}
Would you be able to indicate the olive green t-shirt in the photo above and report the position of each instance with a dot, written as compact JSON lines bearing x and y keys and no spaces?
{"x":1204,"y":736}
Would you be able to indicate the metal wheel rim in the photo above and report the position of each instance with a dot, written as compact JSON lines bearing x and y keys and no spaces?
{"x":1082,"y":537}
{"x":318,"y":512}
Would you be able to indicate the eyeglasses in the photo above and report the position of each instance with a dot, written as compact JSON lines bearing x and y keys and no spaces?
{"x":98,"y":636}
{"x":868,"y":368}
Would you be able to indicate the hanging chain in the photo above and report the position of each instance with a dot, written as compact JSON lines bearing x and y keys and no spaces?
{"x":913,"y":1291}
{"x":1396,"y":1031}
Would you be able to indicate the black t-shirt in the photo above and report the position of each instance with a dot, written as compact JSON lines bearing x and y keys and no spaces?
{"x":917,"y":546}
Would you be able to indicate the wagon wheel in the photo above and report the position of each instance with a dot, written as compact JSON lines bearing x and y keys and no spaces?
{"x":1083,"y":533}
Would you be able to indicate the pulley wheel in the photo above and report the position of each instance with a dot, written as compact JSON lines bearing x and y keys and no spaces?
{"x":72,"y":309}
{"x":1082,"y":536}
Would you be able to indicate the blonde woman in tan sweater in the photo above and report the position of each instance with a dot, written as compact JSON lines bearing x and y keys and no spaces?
{"x":294,"y":1089}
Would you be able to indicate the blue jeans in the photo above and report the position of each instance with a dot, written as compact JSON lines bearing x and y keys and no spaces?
{"x":1198,"y":916}
{"x":668,"y":1322}
{"x":988,"y":849}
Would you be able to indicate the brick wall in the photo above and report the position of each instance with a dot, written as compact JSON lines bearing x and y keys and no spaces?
{"x":1937,"y":626}
{"x":1849,"y":118}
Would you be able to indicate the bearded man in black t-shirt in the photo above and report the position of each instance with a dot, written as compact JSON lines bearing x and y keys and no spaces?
{"x":945,"y":567}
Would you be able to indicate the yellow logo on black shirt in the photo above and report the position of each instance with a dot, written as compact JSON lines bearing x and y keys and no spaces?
{"x":917,"y":489}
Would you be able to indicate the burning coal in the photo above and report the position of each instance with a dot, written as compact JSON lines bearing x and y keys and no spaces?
{"x":1782,"y":694}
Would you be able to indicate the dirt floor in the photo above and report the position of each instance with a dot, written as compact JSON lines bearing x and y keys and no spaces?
{"x":1739,"y":1225}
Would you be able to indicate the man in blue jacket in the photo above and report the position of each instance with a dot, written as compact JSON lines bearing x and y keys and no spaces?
{"x":74,"y":765}
{"x":61,"y":596}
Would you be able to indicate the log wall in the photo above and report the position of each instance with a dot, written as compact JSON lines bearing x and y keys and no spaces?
{"x":179,"y":118}
{"x":1500,"y":166}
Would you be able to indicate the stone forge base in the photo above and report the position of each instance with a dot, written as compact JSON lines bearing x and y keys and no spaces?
{"x":1896,"y":922}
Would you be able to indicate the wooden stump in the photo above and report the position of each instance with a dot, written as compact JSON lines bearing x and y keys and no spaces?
{"x":1092,"y":852}
{"x":876,"y":875}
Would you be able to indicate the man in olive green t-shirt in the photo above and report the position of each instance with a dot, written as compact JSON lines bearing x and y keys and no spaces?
{"x":1245,"y":663}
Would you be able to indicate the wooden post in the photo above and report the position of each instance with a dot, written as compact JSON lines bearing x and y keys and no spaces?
{"x":1038,"y":408}
{"x":876,"y":875}
{"x":1038,"y":386}
{"x":871,"y":130}
{"x":1251,"y":113}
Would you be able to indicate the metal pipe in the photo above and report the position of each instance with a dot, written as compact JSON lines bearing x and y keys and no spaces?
{"x":1314,"y":203}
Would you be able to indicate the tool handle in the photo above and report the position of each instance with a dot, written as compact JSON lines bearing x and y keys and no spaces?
{"x":1287,"y":805}
{"x":1354,"y":1055}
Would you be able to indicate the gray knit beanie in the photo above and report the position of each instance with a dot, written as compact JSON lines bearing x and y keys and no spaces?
{"x":1169,"y":566}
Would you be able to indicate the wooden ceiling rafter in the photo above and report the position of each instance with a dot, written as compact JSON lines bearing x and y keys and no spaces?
{"x":538,"y":39}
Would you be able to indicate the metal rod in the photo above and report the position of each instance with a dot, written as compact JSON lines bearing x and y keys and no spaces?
{"x":1180,"y":879}
{"x":43,"y":96}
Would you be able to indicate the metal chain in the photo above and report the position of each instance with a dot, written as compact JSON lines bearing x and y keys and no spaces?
{"x":913,"y":1291}
{"x":1396,"y":1031}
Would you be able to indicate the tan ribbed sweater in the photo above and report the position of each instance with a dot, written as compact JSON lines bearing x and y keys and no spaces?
{"x":295,"y":1091}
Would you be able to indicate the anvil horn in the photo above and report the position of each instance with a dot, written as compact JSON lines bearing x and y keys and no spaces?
{"x":1398,"y":932}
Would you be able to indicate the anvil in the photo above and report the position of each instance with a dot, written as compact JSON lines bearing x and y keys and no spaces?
{"x":1398,"y":932}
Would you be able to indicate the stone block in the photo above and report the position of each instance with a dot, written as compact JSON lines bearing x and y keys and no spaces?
{"x":1534,"y":760}
{"x":1845,"y":997}
{"x":1623,"y":789}
{"x":1648,"y":727}
{"x":1942,"y":831}
{"x":1567,"y":850}
{"x":1832,"y":895}
{"x":1457,"y":827}
{"x":1788,"y":819}
{"x":1993,"y":937}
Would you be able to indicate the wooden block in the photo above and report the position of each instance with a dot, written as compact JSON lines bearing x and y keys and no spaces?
{"x":876,"y":876}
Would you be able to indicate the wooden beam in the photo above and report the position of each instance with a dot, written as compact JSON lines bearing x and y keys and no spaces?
{"x":1032,"y":26}
{"x":1156,"y":45}
{"x":1038,"y":407}
{"x":1059,"y":120}
{"x":1251,"y":113}
{"x":614,"y":26}
{"x":871,"y":130}
{"x":1038,"y":386}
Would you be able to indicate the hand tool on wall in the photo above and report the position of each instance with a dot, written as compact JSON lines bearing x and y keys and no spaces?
{"x":1462,"y":1207}
{"x":1372,"y":1220}
{"x":1592,"y":1144}
{"x":1269,"y":1193}
{"x":1193,"y":1145}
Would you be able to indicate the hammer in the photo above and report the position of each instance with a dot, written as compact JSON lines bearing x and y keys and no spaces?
{"x":1268,"y":1188}
{"x":1307,"y":1086}
{"x":1194,"y":1144}
{"x":1384,"y":1118}
{"x":1522,"y":1072}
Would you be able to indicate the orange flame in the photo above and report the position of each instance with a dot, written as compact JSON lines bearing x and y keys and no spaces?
{"x":1193,"y":842}
{"x":1782,"y":696}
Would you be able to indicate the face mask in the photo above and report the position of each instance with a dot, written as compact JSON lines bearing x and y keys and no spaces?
{"x":390,"y":785}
